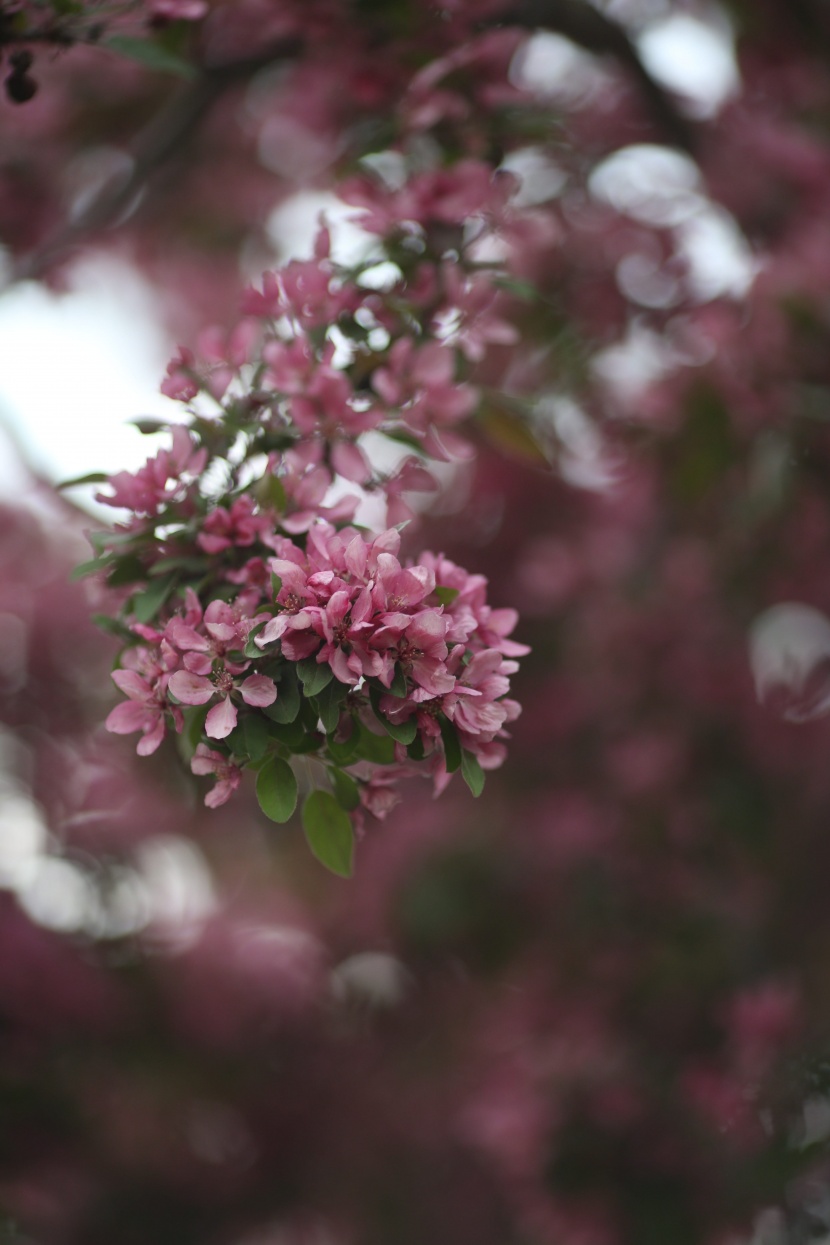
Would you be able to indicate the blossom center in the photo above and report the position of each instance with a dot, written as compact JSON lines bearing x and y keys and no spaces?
{"x":223,"y":682}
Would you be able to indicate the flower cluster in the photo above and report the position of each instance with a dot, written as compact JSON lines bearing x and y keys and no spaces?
{"x":377,"y":669}
{"x":260,"y":623}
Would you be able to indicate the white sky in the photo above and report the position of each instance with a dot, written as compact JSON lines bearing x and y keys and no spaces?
{"x":75,"y":367}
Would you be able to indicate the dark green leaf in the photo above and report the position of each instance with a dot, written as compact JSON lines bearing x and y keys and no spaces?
{"x":276,"y":789}
{"x":446,"y":595}
{"x":377,"y":748}
{"x":329,"y":832}
{"x":472,"y":772}
{"x":314,"y":677}
{"x":345,"y":750}
{"x":415,"y":750}
{"x":90,"y":567}
{"x":148,"y":426}
{"x":275,"y":494}
{"x":256,"y":733}
{"x":92,"y":477}
{"x":107,"y":538}
{"x":345,"y":789}
{"x":185,"y":562}
{"x":113,"y":627}
{"x":287,"y":705}
{"x":292,"y":734}
{"x":148,"y":603}
{"x":328,"y":703}
{"x":251,"y":649}
{"x":126,"y":569}
{"x":398,"y":687}
{"x":452,"y":747}
{"x":194,"y":725}
{"x":150,"y":54}
{"x":404,"y":732}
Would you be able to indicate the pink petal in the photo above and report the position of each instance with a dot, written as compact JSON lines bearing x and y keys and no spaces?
{"x":190,"y":689}
{"x":151,"y":740}
{"x":221,"y":720}
{"x":205,"y":760}
{"x":127,"y":717}
{"x":131,"y":684}
{"x":258,"y":690}
{"x":350,"y":462}
{"x":221,"y":631}
{"x":184,"y":637}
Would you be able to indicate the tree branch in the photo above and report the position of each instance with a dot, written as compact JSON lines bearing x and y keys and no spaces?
{"x":590,"y":29}
{"x":166,"y":133}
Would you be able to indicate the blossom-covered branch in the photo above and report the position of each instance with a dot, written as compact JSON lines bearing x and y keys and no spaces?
{"x":261,"y":622}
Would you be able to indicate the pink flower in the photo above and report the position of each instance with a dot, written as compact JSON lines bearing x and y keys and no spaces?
{"x":419,"y":383}
{"x":419,"y":643}
{"x":207,"y":761}
{"x":239,"y":526}
{"x":195,"y":689}
{"x":160,"y":481}
{"x":343,"y":624}
{"x":147,"y":706}
{"x":208,"y":671}
{"x":469,"y":318}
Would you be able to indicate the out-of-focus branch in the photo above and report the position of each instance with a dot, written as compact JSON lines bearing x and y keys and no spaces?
{"x":590,"y":29}
{"x":163,"y":138}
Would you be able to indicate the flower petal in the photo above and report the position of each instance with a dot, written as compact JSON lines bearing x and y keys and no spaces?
{"x":259,"y":690}
{"x":221,"y":720}
{"x":190,"y":689}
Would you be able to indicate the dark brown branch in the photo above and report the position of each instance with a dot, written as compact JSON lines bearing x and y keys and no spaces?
{"x":163,"y":138}
{"x":586,"y":26}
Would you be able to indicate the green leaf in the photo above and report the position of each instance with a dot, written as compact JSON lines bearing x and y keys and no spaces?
{"x":291,"y":734}
{"x":415,"y":750}
{"x":194,"y":725}
{"x":398,"y":687}
{"x":127,"y":568}
{"x":276,"y":585}
{"x":92,"y":477}
{"x":404,"y":732}
{"x":113,"y":627}
{"x":314,"y":677}
{"x":521,"y":289}
{"x":150,"y":54}
{"x":147,"y":604}
{"x":147,"y":426}
{"x":472,"y":772}
{"x":346,"y":790}
{"x":101,"y":540}
{"x":184,"y":562}
{"x":452,"y":747}
{"x":252,"y":650}
{"x":446,"y":595}
{"x":328,"y":703}
{"x":377,"y":748}
{"x":287,"y":705}
{"x":275,"y":494}
{"x":329,"y":832}
{"x":256,"y":734}
{"x":90,"y":567}
{"x":276,"y":790}
{"x":344,"y":751}
{"x":510,"y":433}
